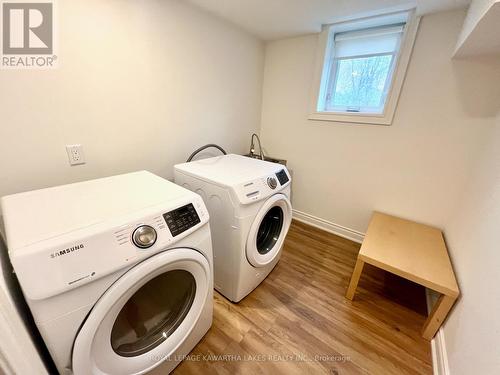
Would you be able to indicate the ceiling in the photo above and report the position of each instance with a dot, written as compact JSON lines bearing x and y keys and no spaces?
{"x":275,"y":19}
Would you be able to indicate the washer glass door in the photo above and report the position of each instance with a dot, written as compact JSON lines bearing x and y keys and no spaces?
{"x":268,"y":231}
{"x":145,"y":315}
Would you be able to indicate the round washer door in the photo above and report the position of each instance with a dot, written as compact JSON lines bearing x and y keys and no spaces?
{"x":144,"y":316}
{"x":268,"y":230}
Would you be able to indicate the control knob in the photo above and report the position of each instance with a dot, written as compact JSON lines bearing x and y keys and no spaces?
{"x":271,"y":181}
{"x":144,"y":236}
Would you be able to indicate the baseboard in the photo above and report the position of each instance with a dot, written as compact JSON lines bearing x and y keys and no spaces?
{"x":328,"y":226}
{"x":438,"y":345}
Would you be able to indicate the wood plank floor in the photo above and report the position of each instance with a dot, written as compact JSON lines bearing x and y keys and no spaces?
{"x":298,"y":321}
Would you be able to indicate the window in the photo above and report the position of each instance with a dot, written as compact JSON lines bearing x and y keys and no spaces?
{"x":362,"y":68}
{"x":363,"y":63}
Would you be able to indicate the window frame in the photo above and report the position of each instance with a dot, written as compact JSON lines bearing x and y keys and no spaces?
{"x":326,"y":57}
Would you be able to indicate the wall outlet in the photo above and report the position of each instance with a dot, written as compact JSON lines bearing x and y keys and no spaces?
{"x":75,"y":154}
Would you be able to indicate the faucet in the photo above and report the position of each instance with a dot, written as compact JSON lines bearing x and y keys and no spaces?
{"x":252,"y":148}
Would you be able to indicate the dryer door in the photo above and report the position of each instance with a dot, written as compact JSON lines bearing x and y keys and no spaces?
{"x":144,"y":316}
{"x":268,"y":230}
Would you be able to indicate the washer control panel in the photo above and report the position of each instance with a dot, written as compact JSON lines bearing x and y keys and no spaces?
{"x":181,"y":219}
{"x":263,"y":187}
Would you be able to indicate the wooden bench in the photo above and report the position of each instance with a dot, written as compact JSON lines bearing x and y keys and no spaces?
{"x":415,"y":252}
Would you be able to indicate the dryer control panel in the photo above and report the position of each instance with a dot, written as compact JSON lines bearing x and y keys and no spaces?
{"x":181,"y":219}
{"x":61,"y":263}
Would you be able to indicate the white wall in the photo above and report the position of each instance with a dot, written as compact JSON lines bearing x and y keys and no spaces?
{"x":141,"y":84}
{"x":472,"y":332}
{"x":415,"y":168}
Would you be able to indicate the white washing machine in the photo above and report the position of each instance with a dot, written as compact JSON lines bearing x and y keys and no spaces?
{"x":117,"y":272}
{"x":250,"y":210}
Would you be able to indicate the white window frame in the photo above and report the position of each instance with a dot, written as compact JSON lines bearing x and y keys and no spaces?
{"x":325,"y":58}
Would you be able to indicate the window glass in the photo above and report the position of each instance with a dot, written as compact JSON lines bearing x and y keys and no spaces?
{"x":360,"y":83}
{"x":362,"y":67}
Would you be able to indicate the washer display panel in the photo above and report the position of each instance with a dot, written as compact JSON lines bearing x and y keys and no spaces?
{"x":151,"y":315}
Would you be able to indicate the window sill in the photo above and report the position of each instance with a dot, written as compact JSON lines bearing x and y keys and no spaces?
{"x":358,"y":118}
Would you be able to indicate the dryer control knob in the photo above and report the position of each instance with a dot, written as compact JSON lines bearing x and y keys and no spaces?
{"x":271,"y":181}
{"x":144,"y":236}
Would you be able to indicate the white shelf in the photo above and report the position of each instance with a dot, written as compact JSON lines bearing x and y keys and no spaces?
{"x":481,"y":31}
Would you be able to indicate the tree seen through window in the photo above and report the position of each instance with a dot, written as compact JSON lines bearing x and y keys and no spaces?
{"x":361,"y":82}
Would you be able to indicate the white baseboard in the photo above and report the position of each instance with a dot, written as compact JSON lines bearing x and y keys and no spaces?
{"x":328,"y":226}
{"x":438,"y":345}
{"x":439,"y":355}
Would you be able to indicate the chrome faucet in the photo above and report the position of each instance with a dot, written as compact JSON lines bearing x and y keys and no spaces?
{"x":252,"y":148}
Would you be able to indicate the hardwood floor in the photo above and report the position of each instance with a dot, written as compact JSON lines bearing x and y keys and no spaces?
{"x":299,"y":322}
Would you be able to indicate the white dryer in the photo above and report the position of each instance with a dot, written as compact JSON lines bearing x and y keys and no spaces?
{"x":117,"y":272}
{"x":249,"y":205}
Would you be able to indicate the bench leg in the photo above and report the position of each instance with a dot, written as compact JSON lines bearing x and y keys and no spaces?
{"x":356,"y":274}
{"x":437,"y":316}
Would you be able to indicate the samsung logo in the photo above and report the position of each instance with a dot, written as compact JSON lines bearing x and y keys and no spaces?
{"x":66,"y":251}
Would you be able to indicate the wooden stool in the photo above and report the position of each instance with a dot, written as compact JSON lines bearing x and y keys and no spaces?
{"x":415,"y":252}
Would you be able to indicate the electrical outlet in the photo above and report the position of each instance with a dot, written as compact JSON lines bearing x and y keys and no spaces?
{"x":75,"y":154}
